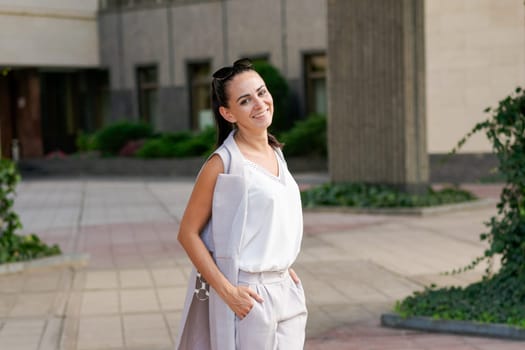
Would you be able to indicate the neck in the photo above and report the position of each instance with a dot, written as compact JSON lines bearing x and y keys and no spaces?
{"x":255,"y":141}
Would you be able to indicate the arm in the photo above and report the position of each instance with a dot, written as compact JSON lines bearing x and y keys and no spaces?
{"x":196,"y":215}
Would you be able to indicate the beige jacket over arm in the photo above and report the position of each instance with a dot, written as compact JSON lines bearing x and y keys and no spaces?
{"x":212,"y":327}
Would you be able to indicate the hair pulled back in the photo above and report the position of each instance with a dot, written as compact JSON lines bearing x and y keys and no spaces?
{"x":219,"y":97}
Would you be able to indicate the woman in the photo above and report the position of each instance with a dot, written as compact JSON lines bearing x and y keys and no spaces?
{"x":242,"y":229}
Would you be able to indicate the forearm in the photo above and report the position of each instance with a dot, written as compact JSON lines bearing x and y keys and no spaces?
{"x":196,"y":215}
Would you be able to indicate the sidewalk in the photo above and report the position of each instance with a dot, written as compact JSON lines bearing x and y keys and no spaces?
{"x":130,"y":295}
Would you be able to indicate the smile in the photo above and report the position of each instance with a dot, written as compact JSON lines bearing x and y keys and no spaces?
{"x":261,"y":114}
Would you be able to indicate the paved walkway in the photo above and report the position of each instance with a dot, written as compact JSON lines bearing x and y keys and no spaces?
{"x":129,"y":296}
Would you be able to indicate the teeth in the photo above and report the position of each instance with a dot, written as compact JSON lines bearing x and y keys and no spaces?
{"x":260,"y":114}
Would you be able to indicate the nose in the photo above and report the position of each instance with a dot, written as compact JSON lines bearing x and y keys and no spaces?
{"x":259,"y":102}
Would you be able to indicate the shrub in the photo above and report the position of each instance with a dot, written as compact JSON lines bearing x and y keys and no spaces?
{"x":505,"y":129}
{"x":161,"y":147}
{"x":112,"y":138}
{"x":278,"y":87}
{"x":12,"y":246}
{"x":178,"y":136}
{"x":498,"y":298}
{"x":86,"y":142}
{"x":306,"y":138}
{"x":201,"y":144}
{"x":181,"y":145}
{"x":362,"y":195}
{"x":493,"y":300}
{"x":131,"y":148}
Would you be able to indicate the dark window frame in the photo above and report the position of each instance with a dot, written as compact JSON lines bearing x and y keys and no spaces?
{"x":203,"y":82}
{"x":144,"y":89}
{"x":308,"y":77}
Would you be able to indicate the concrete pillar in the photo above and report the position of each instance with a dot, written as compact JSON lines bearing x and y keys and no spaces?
{"x":376,"y":84}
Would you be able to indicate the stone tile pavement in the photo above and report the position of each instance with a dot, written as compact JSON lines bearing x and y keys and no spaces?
{"x":130,"y":295}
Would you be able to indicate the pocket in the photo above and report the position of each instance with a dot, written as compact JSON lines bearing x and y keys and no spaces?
{"x":254,"y":303}
{"x":251,"y":313}
{"x":298,"y":287}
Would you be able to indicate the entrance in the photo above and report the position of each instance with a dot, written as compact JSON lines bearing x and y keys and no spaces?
{"x":44,"y":111}
{"x":20,"y":113}
{"x":72,"y":103}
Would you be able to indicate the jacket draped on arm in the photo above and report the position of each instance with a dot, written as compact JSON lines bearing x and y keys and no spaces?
{"x":210,"y":325}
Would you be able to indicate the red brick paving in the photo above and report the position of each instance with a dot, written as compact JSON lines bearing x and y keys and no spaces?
{"x":125,"y":245}
{"x":370,"y":336}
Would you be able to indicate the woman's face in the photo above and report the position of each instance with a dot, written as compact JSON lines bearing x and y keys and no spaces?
{"x":250,"y":104}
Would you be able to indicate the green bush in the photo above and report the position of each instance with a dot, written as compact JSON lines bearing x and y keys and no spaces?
{"x":201,"y":144}
{"x":161,"y":147}
{"x":12,"y":246}
{"x":177,"y":137}
{"x":180,"y":145}
{"x":362,"y":195}
{"x":498,"y":298}
{"x":86,"y":142}
{"x":306,"y":138}
{"x":278,"y":87}
{"x":493,"y":300}
{"x":112,"y":138}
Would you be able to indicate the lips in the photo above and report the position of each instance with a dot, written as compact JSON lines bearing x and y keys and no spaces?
{"x":260,"y":115}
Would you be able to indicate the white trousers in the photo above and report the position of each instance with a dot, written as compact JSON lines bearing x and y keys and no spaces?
{"x":279,"y":322}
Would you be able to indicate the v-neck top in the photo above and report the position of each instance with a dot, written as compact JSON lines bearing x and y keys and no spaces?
{"x":278,"y":177}
{"x":274,"y":221}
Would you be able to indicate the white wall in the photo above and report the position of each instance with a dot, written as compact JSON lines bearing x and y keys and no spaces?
{"x":49,"y":33}
{"x":475,"y":56}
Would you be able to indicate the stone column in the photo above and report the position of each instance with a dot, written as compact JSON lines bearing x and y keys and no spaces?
{"x":376,"y":85}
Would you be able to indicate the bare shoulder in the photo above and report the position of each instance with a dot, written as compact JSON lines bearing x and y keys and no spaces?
{"x":213,"y":165}
{"x":198,"y":209}
{"x":210,"y":171}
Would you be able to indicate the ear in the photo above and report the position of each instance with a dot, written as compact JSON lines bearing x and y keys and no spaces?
{"x":226,"y":114}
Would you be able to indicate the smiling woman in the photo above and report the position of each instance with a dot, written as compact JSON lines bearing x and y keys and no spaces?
{"x":242,"y":229}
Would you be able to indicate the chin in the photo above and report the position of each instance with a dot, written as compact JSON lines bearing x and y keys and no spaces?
{"x":267,"y":123}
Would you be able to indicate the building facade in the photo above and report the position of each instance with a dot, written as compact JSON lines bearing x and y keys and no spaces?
{"x":51,"y":83}
{"x":475,"y":56}
{"x":87,"y":63}
{"x":161,"y":53}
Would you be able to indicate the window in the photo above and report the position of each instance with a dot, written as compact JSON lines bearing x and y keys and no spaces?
{"x":199,"y":76}
{"x":147,"y":86}
{"x":315,"y":79}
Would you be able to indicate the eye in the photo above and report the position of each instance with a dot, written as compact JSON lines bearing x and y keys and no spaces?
{"x":243,"y":101}
{"x":263,"y":92}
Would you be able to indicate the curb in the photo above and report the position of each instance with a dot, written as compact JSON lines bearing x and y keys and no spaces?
{"x":74,"y":260}
{"x":419,"y":211}
{"x":129,"y":166}
{"x":428,"y":324}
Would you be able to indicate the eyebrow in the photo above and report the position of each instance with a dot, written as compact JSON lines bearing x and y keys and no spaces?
{"x":246,"y":95}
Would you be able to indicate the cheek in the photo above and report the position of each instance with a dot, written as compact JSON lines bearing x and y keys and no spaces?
{"x":242,"y":111}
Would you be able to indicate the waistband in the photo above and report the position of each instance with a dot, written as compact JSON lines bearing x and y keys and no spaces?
{"x":262,"y":277}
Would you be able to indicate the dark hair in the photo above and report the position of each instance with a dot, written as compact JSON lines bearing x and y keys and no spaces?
{"x":219,"y":97}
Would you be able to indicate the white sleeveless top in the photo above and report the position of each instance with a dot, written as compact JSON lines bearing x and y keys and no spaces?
{"x":274,"y":222}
